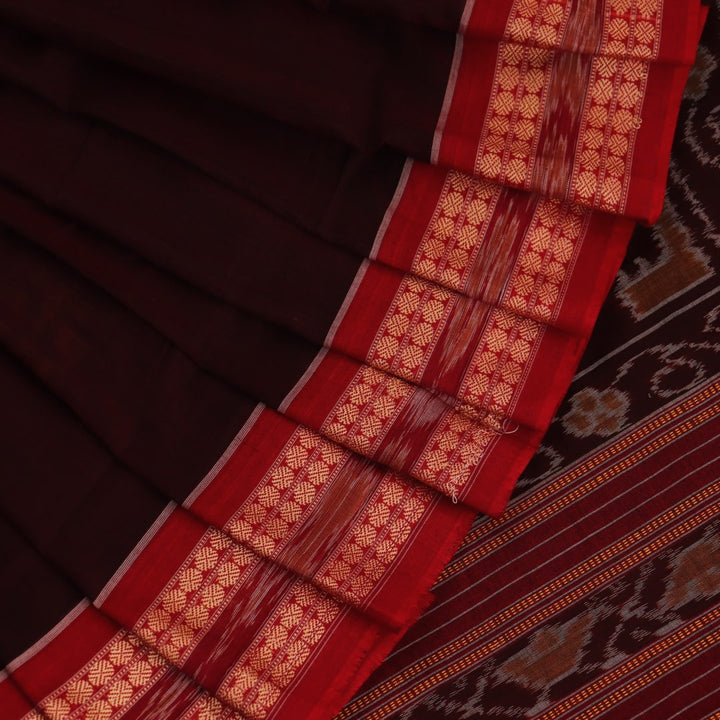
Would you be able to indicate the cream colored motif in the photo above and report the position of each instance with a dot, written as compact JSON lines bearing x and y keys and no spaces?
{"x":367,"y":409}
{"x":303,"y":472}
{"x":378,"y":537}
{"x":504,"y":352}
{"x":286,"y":494}
{"x":507,"y":341}
{"x":611,"y":114}
{"x":515,"y":110}
{"x":453,"y":452}
{"x":511,"y":337}
{"x":115,"y":679}
{"x":192,"y":600}
{"x":279,"y":651}
{"x":215,"y":570}
{"x":542,"y":267}
{"x":614,"y":104}
{"x":413,"y":325}
{"x":455,"y":235}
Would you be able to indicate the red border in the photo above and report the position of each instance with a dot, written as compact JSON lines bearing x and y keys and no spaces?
{"x":361,"y":636}
{"x":665,"y":88}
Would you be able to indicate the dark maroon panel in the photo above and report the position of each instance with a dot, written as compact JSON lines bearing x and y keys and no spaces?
{"x":155,"y":409}
{"x":439,"y":14}
{"x":34,"y":596}
{"x":362,"y":81}
{"x":63,"y":490}
{"x":188,"y":190}
{"x":258,"y":358}
{"x":174,"y":216}
{"x":256,"y":155}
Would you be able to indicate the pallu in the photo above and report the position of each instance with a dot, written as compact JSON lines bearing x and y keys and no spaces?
{"x":290,"y":292}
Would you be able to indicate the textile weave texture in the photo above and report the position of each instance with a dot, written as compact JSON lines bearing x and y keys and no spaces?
{"x":597,"y":593}
{"x":291,"y":291}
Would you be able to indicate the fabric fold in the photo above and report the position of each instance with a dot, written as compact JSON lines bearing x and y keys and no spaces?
{"x":505,"y":117}
{"x":319,"y":274}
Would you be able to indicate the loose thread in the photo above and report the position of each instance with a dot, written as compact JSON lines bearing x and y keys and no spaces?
{"x":504,"y":431}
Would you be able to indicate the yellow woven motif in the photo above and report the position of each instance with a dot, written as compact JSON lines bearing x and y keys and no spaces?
{"x":613,"y":105}
{"x":611,"y":112}
{"x":279,"y":651}
{"x":457,"y":231}
{"x":195,"y":596}
{"x":277,"y":507}
{"x":515,"y":111}
{"x":412,"y":327}
{"x":367,"y":409}
{"x":113,"y":680}
{"x":453,"y":453}
{"x":377,"y":538}
{"x":505,"y":348}
{"x":305,"y":469}
{"x":534,"y":290}
{"x":541,"y":270}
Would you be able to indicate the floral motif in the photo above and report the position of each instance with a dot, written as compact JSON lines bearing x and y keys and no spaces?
{"x":596,"y":413}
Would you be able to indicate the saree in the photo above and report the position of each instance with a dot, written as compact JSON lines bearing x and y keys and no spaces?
{"x":291,"y":292}
{"x":596,"y":593}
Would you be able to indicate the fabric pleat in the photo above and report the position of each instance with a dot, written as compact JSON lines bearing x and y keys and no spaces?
{"x":290,"y":291}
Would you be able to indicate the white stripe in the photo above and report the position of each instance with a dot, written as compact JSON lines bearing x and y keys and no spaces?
{"x":648,"y":666}
{"x":715,"y":690}
{"x":48,"y":637}
{"x":391,"y":208}
{"x":449,"y":91}
{"x":130,"y":559}
{"x":229,"y":451}
{"x":300,"y":384}
{"x":711,"y":669}
{"x":644,"y":442}
{"x":566,"y":549}
{"x":364,"y":265}
{"x":647,"y":332}
{"x":415,"y":680}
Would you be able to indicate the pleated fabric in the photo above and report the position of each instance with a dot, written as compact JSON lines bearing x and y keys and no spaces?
{"x":290,"y":291}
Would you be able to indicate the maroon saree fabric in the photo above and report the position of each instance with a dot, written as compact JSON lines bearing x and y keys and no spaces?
{"x":290,"y":291}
